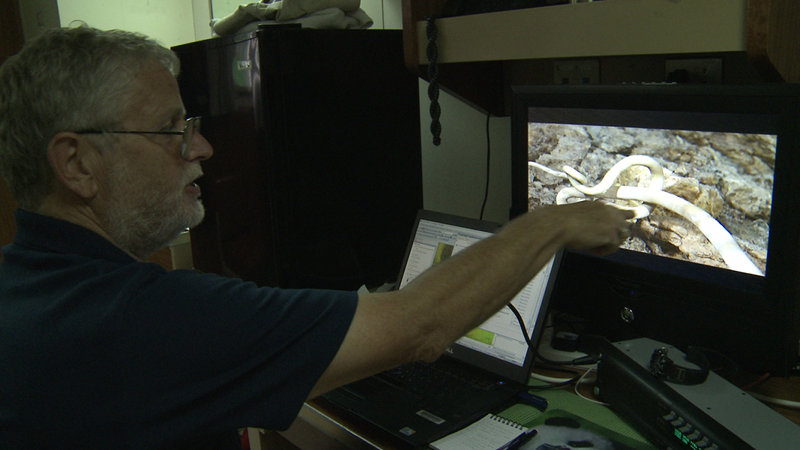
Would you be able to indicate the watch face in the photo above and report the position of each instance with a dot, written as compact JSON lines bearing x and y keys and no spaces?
{"x":659,"y":361}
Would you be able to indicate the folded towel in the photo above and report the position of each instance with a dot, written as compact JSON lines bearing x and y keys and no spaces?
{"x":340,"y":14}
{"x":243,"y":15}
{"x":335,"y":18}
{"x":331,"y":18}
{"x":292,"y":9}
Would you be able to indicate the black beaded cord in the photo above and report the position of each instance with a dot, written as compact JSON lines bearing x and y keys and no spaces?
{"x":432,"y":52}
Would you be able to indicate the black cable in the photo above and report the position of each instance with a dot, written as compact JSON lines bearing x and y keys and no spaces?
{"x":530,"y":345}
{"x":432,"y":51}
{"x":521,"y":324}
{"x":588,"y":359}
{"x":488,"y":161}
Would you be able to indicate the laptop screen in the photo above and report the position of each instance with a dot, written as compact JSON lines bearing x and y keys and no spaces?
{"x":497,"y":343}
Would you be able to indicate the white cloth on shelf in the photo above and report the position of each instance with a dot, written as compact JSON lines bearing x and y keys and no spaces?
{"x":335,"y":14}
{"x":293,"y":9}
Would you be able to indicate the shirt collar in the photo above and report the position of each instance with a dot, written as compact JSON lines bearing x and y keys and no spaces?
{"x":51,"y":234}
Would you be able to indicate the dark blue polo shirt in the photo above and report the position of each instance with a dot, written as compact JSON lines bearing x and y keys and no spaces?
{"x":98,"y":350}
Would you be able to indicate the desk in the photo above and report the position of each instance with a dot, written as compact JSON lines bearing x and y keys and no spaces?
{"x":322,"y":425}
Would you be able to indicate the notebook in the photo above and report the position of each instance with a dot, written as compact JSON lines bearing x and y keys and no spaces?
{"x":480,"y":373}
{"x":489,"y":432}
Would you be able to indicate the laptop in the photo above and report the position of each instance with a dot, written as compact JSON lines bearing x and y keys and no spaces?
{"x":483,"y":371}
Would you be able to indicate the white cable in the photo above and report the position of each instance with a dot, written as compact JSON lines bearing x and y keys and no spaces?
{"x":578,"y":393}
{"x":776,"y":401}
{"x":551,"y":380}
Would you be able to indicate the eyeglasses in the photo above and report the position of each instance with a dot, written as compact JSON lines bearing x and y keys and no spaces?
{"x":191,"y":126}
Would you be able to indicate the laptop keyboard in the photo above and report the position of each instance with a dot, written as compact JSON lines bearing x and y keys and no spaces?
{"x":428,"y":399}
{"x":436,"y":380}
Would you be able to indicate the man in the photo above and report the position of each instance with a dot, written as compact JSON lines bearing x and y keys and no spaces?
{"x":100,"y":349}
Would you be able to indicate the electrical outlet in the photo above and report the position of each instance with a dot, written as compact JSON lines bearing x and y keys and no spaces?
{"x":693,"y":70}
{"x":582,"y":71}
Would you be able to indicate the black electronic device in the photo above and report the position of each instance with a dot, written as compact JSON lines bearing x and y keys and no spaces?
{"x":715,"y":262}
{"x":316,"y":176}
{"x":712,"y":414}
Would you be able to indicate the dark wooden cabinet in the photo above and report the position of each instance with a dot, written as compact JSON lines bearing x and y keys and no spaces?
{"x":11,"y":40}
{"x":316,"y":177}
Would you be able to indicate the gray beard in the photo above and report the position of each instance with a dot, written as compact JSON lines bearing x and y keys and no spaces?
{"x":142,"y":221}
{"x":143,"y":225}
{"x":142,"y":233}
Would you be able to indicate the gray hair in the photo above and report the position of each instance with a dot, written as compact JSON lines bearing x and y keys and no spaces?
{"x":67,"y":79}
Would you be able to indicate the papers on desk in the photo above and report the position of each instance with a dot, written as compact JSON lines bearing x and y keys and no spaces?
{"x":490,"y":432}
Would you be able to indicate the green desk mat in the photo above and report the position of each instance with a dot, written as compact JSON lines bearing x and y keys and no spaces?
{"x":596,"y":417}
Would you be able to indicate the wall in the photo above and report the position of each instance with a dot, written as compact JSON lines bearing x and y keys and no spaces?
{"x":164,"y":20}
{"x":454,"y":173}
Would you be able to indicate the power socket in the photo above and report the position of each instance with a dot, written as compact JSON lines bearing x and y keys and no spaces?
{"x":579,"y":71}
{"x":693,"y":70}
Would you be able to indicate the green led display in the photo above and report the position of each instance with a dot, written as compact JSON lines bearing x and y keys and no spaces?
{"x":685,"y":439}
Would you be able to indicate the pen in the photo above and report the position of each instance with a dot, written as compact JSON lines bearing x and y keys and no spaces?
{"x":520,"y":440}
{"x":534,"y":400}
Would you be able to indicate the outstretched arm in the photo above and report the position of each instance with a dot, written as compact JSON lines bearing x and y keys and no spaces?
{"x":419,"y":321}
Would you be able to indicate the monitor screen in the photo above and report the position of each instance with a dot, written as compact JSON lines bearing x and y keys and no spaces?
{"x":700,"y":196}
{"x":713,"y":259}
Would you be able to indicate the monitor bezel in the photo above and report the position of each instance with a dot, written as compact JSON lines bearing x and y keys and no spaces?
{"x":777,"y":295}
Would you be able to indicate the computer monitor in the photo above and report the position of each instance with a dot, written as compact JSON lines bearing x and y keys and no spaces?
{"x":714,"y":256}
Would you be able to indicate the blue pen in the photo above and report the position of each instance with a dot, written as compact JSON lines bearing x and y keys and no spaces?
{"x":520,"y":440}
{"x":534,"y":400}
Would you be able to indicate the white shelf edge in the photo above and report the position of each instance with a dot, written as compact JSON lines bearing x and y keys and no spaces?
{"x":604,"y":28}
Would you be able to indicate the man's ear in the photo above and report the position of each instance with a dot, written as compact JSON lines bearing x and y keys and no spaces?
{"x":75,"y":162}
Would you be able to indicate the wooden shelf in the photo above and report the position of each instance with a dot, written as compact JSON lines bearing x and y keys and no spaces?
{"x":483,"y":46}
